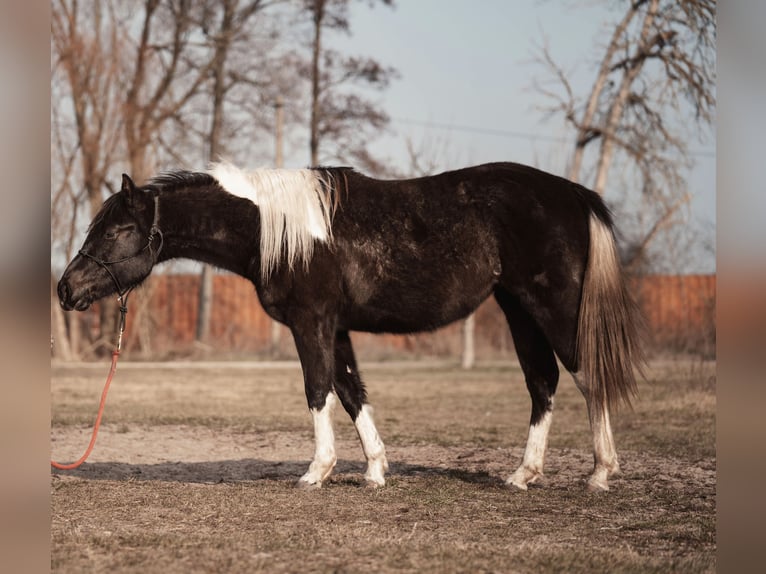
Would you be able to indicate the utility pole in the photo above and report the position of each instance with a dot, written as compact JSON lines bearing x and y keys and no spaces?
{"x":279,"y":122}
{"x":276,"y":328}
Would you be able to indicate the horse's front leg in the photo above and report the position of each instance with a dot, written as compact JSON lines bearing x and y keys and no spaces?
{"x":314,"y":341}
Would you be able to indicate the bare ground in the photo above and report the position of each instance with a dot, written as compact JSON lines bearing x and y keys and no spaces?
{"x":195,"y":467}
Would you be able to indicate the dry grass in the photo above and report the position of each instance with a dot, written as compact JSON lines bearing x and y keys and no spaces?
{"x":194,"y":472}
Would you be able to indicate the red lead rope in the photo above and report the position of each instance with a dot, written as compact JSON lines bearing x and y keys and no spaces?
{"x":112,"y":369}
{"x":115,"y":354}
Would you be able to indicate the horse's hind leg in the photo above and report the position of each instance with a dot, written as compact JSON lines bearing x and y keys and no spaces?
{"x":605,"y":463}
{"x":541,"y":374}
{"x":352,"y":394}
{"x":537,"y":335}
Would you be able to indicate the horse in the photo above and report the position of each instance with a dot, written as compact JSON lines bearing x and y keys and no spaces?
{"x":330,"y":250}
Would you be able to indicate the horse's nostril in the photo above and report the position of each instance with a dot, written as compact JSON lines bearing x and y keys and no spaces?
{"x":64,"y":292}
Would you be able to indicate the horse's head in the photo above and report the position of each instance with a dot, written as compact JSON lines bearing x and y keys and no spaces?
{"x":121,"y":248}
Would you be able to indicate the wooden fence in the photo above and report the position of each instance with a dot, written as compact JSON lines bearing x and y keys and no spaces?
{"x":679,"y":313}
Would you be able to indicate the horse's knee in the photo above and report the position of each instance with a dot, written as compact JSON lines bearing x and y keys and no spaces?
{"x":317,"y":397}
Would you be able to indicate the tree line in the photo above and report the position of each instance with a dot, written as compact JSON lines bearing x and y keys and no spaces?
{"x":143,"y":86}
{"x":138,"y":87}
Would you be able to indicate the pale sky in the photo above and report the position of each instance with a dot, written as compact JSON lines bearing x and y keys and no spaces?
{"x":468,"y":64}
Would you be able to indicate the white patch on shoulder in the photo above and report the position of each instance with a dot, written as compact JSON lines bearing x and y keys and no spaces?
{"x":294,"y":205}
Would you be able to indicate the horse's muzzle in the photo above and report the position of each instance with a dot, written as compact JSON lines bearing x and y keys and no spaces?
{"x":67,"y":299}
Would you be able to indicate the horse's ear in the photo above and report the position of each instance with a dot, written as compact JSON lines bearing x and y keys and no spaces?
{"x":127,"y":184}
{"x":131,"y":193}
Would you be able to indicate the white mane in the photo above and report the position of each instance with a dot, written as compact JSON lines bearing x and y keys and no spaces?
{"x":294,"y":205}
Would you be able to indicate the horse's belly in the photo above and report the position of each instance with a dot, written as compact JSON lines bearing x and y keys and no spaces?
{"x":407,"y":306}
{"x":409,"y":282}
{"x":381,"y":320}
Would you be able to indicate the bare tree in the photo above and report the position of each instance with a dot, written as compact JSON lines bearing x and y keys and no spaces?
{"x":234,"y":18}
{"x":659,"y":63}
{"x":86,"y":137}
{"x":170,"y":67}
{"x":339,"y":115}
{"x":164,"y":69}
{"x":137,"y":85}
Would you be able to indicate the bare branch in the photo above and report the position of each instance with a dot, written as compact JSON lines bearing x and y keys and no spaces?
{"x":659,"y":61}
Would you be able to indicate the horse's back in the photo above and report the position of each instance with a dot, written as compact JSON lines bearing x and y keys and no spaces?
{"x":492,"y":211}
{"x":420,"y":253}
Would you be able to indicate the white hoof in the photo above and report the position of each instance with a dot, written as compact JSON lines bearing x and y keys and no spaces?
{"x":599,"y":480}
{"x":304,"y":484}
{"x":523,"y":477}
{"x":597,"y":485}
{"x":373,"y":483}
{"x":318,"y":472}
{"x":376,"y":471}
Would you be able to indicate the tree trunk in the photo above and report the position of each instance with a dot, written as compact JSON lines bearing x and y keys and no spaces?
{"x":319,"y":6}
{"x":222,"y":41}
{"x":618,"y":105}
{"x":585,"y":128}
{"x":60,"y":347}
{"x":276,"y":328}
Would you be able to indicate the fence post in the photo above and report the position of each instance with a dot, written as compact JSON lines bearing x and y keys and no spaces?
{"x":469,"y":349}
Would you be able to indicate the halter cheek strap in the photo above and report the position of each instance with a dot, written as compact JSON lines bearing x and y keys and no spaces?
{"x":154,"y":231}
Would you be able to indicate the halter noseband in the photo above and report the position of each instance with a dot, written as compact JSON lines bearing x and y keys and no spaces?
{"x":154,"y":231}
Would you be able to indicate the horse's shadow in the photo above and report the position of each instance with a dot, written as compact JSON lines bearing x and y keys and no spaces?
{"x":249,"y":470}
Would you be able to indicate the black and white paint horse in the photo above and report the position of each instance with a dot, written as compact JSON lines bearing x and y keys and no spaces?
{"x":331,"y":251}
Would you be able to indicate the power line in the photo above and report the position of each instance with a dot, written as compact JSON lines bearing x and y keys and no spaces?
{"x":511,"y":133}
{"x":479,"y":130}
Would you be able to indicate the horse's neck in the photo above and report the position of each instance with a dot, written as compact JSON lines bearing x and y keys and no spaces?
{"x":205,"y":225}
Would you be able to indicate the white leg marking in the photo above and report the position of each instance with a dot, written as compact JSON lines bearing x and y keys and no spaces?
{"x":324,"y":453}
{"x":531,"y":468}
{"x":604,"y":452}
{"x":373,"y":447}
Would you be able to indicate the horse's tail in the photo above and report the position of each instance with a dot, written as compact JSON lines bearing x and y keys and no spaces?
{"x":609,"y":326}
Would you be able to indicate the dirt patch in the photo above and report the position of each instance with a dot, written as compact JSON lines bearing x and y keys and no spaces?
{"x":195,"y":470}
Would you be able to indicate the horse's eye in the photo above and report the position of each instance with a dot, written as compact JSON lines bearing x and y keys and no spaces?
{"x":116,"y":231}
